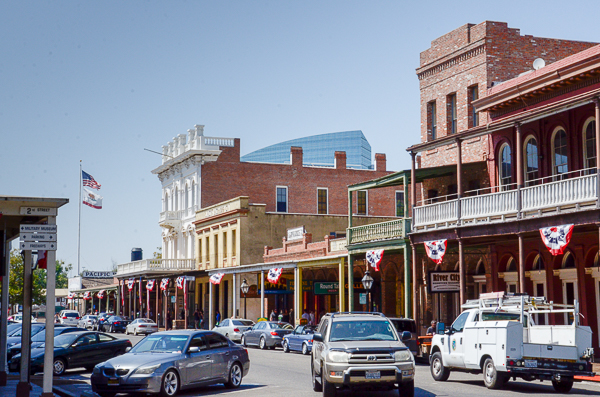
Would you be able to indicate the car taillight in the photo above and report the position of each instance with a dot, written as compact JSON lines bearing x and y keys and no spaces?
{"x":143,"y":326}
{"x":117,"y":323}
{"x":64,"y":317}
{"x":310,"y":341}
{"x":236,"y":330}
{"x":273,"y":333}
{"x":76,"y":318}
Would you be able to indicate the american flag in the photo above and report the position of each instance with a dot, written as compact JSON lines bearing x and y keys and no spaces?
{"x":216,"y":278}
{"x":100,"y":294}
{"x":87,"y":295}
{"x":89,"y":180}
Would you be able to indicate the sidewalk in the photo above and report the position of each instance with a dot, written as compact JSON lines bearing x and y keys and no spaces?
{"x":11,"y":387}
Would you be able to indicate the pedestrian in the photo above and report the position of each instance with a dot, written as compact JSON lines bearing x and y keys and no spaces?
{"x":158,"y":319}
{"x":196,"y":319}
{"x":169,"y":321}
{"x":273,"y":316}
{"x":431,"y":330}
{"x":218,"y":317}
{"x":182,"y":314}
{"x":312,"y":318}
{"x":280,"y":316}
{"x":305,"y":317}
{"x":286,"y":317}
{"x":201,"y":319}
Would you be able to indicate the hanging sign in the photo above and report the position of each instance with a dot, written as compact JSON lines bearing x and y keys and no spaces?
{"x":374,"y":258}
{"x":436,"y":250}
{"x":556,"y":238}
{"x":444,"y":282}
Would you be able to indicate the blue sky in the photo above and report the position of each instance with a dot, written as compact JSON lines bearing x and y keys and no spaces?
{"x":101,"y":81}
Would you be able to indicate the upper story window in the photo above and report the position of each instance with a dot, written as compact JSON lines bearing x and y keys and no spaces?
{"x":187,"y":197}
{"x":282,"y":199}
{"x":176,"y":200}
{"x":432,"y":120}
{"x":400,"y":204}
{"x":166,"y":204}
{"x":193,"y":194}
{"x":452,"y":118}
{"x":561,"y":155}
{"x":589,"y":144}
{"x":361,"y":202}
{"x":473,"y":96}
{"x":322,"y":201}
{"x":531,"y":160}
{"x":505,"y":165}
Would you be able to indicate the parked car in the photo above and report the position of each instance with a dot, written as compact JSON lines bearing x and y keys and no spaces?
{"x":266,"y":334}
{"x":141,"y":326}
{"x":233,"y":328}
{"x":87,"y":321}
{"x":74,"y":350}
{"x":16,"y":335}
{"x":115,"y":324}
{"x":407,"y":324}
{"x":18,"y":318}
{"x":69,"y":317}
{"x":102,"y":317}
{"x":300,"y":340}
{"x":167,"y":362}
{"x":38,"y":339}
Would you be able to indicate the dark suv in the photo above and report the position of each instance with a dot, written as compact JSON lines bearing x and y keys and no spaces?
{"x":361,"y":351}
{"x":407,"y":324}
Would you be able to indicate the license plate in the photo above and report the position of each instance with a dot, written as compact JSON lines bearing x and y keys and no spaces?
{"x":531,"y":364}
{"x":372,"y":375}
{"x":113,"y":382}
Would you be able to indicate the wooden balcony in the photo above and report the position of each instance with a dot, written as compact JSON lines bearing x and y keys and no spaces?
{"x":546,"y":196}
{"x":155,"y":266}
{"x":396,"y":229}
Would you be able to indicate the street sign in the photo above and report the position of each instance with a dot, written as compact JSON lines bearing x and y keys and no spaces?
{"x":38,"y":211}
{"x":38,"y":229}
{"x":31,"y":245}
{"x":38,"y":237}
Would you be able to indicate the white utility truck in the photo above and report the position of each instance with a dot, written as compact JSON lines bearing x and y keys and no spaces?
{"x":497,"y":335}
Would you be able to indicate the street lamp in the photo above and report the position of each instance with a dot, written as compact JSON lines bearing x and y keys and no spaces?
{"x":367,"y":282}
{"x":244,"y":287}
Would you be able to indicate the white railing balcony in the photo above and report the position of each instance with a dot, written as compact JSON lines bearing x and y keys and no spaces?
{"x":171,"y":219}
{"x":149,"y":266}
{"x":545,"y":196}
{"x":395,"y":229}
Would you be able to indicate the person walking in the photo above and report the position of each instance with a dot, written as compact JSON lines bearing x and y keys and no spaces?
{"x":285,"y":316}
{"x":201,"y":319}
{"x":196,"y":319}
{"x":273,"y":316}
{"x":312,"y":318}
{"x":218,"y":317}
{"x":169,"y":321}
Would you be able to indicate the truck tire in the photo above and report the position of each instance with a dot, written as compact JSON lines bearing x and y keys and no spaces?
{"x":328,"y":387}
{"x":438,"y":371}
{"x":406,"y":389}
{"x":563,"y":386}
{"x":315,"y":383}
{"x":491,"y":377}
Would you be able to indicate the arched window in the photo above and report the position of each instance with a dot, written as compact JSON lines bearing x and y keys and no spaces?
{"x":568,"y":261}
{"x":511,"y":266}
{"x":187,"y":196}
{"x":589,"y":143}
{"x":505,"y":165}
{"x":176,"y":200}
{"x":531,"y":159}
{"x":538,"y":263}
{"x":561,"y":155}
{"x":193,"y":195}
{"x":166,"y":203}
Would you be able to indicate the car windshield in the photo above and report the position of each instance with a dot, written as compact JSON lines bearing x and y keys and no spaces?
{"x":281,"y":326}
{"x":34,"y":331}
{"x":361,"y":330}
{"x":145,"y":320}
{"x":71,"y":314}
{"x":65,"y":340}
{"x":248,"y":323}
{"x":116,"y":318}
{"x":92,"y":317}
{"x":41,"y":336}
{"x":161,"y":344}
{"x":12,"y":328}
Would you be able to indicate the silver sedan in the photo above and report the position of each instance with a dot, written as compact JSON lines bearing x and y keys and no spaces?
{"x":87,"y":321}
{"x":141,"y":326}
{"x":167,"y":362}
{"x":233,"y":328}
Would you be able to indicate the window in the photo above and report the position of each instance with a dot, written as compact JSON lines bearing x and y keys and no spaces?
{"x":193,"y":194}
{"x":322,"y":201}
{"x":105,"y":338}
{"x":505,"y":165}
{"x":224,"y":245}
{"x":233,"y":243}
{"x":282,"y":199}
{"x":561,"y":155}
{"x":459,"y":324}
{"x":451,"y":101}
{"x":216,"y":253}
{"x":432,"y":195}
{"x":400,"y":204}
{"x":199,"y":342}
{"x":432,"y":120}
{"x":473,"y":96}
{"x":187,"y":197}
{"x":531,"y":159}
{"x":361,"y":202}
{"x":176,"y":200}
{"x":474,"y":187}
{"x":589,"y":145}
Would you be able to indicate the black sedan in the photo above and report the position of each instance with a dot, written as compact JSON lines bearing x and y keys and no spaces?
{"x":15,"y":334}
{"x":115,"y":324}
{"x":39,"y":339}
{"x":74,"y":350}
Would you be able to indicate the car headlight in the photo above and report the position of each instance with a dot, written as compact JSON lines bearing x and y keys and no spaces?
{"x":337,"y":357}
{"x":402,"y":355}
{"x":147,"y":370}
{"x":97,"y":369}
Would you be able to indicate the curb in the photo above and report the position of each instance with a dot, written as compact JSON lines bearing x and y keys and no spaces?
{"x":62,"y":392}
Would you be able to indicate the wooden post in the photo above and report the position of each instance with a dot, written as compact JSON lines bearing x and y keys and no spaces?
{"x":413,"y":186}
{"x":521,"y":264}
{"x":459,"y":187}
{"x":463,"y":272}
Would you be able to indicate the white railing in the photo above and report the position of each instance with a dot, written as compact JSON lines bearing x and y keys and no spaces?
{"x":377,"y":231}
{"x":156,"y":265}
{"x":170,"y":216}
{"x":568,"y":191}
{"x":228,"y":142}
{"x":492,"y":204}
{"x":436,"y":213}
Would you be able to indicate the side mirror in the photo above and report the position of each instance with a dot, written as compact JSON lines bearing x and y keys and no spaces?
{"x":127,"y":349}
{"x":194,"y":349}
{"x":406,"y":335}
{"x":318,"y":337}
{"x":441,"y":328}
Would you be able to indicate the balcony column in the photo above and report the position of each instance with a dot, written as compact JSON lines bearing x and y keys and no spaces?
{"x":521,"y":264}
{"x":407,"y":279}
{"x":520,"y":171}
{"x":597,"y":123}
{"x":262,"y":294}
{"x":459,"y":187}
{"x":413,"y":186}
{"x":341,"y":278}
{"x":415,"y":311}
{"x":211,"y":322}
{"x":462,"y":272}
{"x":350,"y":283}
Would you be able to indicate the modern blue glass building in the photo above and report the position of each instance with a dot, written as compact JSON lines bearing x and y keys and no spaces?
{"x":318,"y":150}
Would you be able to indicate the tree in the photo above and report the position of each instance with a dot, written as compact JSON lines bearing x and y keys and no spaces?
{"x":158,"y":253}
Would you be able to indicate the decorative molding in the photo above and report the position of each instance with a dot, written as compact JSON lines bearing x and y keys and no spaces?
{"x":451,"y":62}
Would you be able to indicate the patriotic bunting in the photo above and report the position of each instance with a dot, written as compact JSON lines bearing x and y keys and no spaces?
{"x":164,"y":284}
{"x":87,"y":295}
{"x":150,"y":285}
{"x":100,"y":294}
{"x":42,"y":260}
{"x":71,"y":295}
{"x":436,"y":250}
{"x":181,"y":282}
{"x":216,"y":278}
{"x":274,"y":274}
{"x":130,"y":283}
{"x":374,"y":258}
{"x":556,"y":238}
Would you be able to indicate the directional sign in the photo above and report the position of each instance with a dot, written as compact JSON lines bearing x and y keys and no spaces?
{"x":38,"y":237}
{"x":28,"y":245}
{"x":38,"y":229}
{"x":37,"y":211}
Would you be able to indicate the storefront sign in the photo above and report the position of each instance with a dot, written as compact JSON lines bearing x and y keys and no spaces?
{"x":327,"y":288}
{"x":338,"y":245}
{"x":88,"y":274}
{"x":295,"y":234}
{"x":307,"y":285}
{"x":216,"y":211}
{"x":362,"y":298}
{"x":444,"y":282}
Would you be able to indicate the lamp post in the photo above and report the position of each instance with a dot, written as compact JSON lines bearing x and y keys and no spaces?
{"x":367,"y":282}
{"x":244,"y":287}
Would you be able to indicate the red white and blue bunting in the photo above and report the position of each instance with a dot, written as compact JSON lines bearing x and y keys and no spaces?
{"x":71,"y":295}
{"x":181,"y":282}
{"x":436,"y":249}
{"x":274,"y":274}
{"x":556,"y":238}
{"x":130,"y":283}
{"x":164,"y":284}
{"x":87,"y":295}
{"x":374,"y":258}
{"x":100,"y":294}
{"x":150,"y":285}
{"x":216,"y":278}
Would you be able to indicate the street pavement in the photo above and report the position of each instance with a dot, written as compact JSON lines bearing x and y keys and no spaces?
{"x":274,"y":373}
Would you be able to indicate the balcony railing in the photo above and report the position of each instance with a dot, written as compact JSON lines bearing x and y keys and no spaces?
{"x":575,"y":191}
{"x":155,"y":266}
{"x":395,"y":229}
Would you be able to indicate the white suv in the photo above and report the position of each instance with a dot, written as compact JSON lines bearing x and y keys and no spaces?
{"x":69,"y":317}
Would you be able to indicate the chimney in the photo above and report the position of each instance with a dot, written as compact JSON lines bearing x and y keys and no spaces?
{"x":380,"y":162}
{"x":296,"y":156}
{"x":340,"y":160}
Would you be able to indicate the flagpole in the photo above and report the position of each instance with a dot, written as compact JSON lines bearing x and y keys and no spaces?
{"x":79,"y":232}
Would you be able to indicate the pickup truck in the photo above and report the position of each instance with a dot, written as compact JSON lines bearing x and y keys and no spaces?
{"x":496,"y":335}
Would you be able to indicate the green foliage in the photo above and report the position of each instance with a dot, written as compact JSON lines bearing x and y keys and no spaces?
{"x":158,"y":253}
